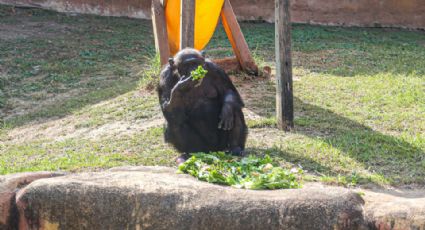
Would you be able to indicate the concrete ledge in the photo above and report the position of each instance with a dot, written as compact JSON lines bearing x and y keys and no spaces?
{"x":395,"y":209}
{"x":151,"y":197}
{"x":158,"y":198}
{"x":9,"y":186}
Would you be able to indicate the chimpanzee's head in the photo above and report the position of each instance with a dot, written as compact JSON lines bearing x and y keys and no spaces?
{"x":187,"y":60}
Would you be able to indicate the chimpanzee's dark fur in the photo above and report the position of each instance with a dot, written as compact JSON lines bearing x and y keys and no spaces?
{"x":202,"y":116}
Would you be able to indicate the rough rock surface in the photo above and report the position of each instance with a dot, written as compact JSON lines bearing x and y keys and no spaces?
{"x":395,"y":209}
{"x":158,"y":198}
{"x":9,"y":185}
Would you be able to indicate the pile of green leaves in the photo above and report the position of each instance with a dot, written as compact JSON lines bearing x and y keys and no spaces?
{"x":199,"y":73}
{"x":249,"y":172}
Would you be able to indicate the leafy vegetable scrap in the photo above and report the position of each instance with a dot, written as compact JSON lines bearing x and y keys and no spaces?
{"x":199,"y":73}
{"x":250,"y":172}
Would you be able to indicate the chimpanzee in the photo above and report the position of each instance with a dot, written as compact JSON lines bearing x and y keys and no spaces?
{"x":201,"y":115}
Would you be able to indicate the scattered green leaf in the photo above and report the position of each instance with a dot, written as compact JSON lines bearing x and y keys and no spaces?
{"x":250,"y":172}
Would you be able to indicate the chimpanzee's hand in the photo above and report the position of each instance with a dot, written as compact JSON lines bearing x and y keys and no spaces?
{"x":184,"y":84}
{"x":226,"y":118}
{"x":177,"y":96}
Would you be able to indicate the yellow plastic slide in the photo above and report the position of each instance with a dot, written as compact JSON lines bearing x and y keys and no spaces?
{"x":206,"y":19}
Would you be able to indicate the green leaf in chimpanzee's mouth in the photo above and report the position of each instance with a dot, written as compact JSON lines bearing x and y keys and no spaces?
{"x":199,"y":73}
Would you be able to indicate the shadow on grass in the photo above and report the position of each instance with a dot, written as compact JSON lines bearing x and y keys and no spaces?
{"x":63,"y":108}
{"x":390,"y":156}
{"x":66,"y":63}
{"x":334,"y":50}
{"x":392,"y":159}
{"x":295,"y":159}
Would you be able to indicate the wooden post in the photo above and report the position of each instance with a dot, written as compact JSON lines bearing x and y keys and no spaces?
{"x":284,"y":94}
{"x":187,"y":24}
{"x":229,"y":64}
{"x":160,"y":31}
{"x":239,"y":45}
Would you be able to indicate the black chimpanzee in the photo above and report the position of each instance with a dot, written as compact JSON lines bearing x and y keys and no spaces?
{"x":202,"y":115}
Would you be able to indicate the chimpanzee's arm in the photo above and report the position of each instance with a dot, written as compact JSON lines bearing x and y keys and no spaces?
{"x":177,"y":94}
{"x":171,"y":92}
{"x":166,"y":83}
{"x":231,"y":103}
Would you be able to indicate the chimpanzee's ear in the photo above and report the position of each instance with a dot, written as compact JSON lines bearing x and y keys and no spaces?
{"x":171,"y":62}
{"x":203,"y":53}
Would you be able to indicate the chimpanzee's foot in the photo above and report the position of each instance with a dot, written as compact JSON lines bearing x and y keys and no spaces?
{"x":182,"y":158}
{"x":237,"y":151}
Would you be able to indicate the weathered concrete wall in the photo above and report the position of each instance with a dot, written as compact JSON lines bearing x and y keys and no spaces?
{"x":154,"y":197}
{"x":130,"y":8}
{"x":393,"y":13}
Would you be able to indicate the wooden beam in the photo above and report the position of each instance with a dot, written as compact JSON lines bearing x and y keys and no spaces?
{"x":187,"y":24}
{"x":229,"y":64}
{"x":284,"y":94}
{"x":236,"y":38}
{"x":160,"y":31}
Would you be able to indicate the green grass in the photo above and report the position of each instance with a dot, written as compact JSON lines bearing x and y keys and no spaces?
{"x":75,"y":153}
{"x":85,"y":59}
{"x":78,"y":95}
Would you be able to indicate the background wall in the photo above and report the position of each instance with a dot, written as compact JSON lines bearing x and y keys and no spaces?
{"x":388,"y":13}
